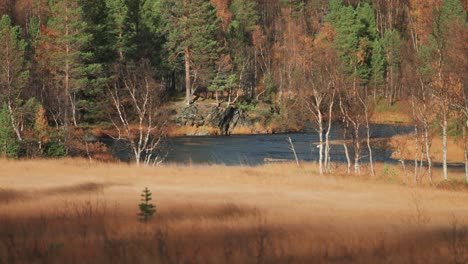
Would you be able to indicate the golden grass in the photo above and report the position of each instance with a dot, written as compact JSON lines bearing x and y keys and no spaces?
{"x":178,"y":131}
{"x":399,"y":113}
{"x":404,"y":147}
{"x":70,"y":210}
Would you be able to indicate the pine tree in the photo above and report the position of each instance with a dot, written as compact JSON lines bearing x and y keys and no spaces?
{"x":192,"y":29}
{"x":392,"y":48}
{"x":356,"y":32}
{"x":240,"y":44}
{"x":122,"y":29}
{"x":378,"y":64}
{"x":64,"y":38}
{"x":147,"y":209}
{"x":100,"y":55}
{"x":13,"y":73}
{"x":8,"y":144}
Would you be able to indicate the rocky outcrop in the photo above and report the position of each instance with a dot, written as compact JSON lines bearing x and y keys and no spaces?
{"x":189,"y":117}
{"x":225,"y":119}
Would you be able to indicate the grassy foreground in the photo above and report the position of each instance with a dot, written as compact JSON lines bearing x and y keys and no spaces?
{"x":73,"y":211}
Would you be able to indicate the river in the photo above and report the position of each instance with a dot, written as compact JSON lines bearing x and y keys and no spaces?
{"x":253,"y":149}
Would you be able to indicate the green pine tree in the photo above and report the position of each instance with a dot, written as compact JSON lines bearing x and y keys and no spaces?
{"x":99,"y":57}
{"x":356,"y":33}
{"x":192,"y":28}
{"x":378,"y":64}
{"x":66,"y":37}
{"x":123,"y":31}
{"x":240,"y":44}
{"x":147,"y":209}
{"x":13,"y":72}
{"x":8,"y":144}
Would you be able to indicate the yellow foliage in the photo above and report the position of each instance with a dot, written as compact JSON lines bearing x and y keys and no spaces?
{"x":41,"y":126}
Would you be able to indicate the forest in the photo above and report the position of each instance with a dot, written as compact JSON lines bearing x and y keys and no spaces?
{"x":69,"y":66}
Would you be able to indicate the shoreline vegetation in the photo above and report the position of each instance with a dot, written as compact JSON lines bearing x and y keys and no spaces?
{"x":144,"y":70}
{"x":58,"y":211}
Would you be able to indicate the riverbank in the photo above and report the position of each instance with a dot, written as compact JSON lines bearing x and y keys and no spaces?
{"x":63,"y":210}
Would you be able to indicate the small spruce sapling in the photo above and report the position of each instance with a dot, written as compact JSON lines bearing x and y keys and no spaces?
{"x":147,"y":209}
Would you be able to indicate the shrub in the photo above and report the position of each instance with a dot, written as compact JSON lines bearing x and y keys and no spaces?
{"x":54,"y":149}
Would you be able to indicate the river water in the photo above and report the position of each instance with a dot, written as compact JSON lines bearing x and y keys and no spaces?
{"x":253,"y":149}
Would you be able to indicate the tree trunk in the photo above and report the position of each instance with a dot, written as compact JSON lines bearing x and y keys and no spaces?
{"x":188,"y":83}
{"x":321,"y":142}
{"x":416,"y":142}
{"x":345,"y":130}
{"x":13,"y":122}
{"x":357,"y":150}
{"x":371,"y":160}
{"x":137,"y":157}
{"x":348,"y":159}
{"x":444,"y":142}
{"x":465,"y":148}
{"x":327,"y":136}
{"x":428,"y":150}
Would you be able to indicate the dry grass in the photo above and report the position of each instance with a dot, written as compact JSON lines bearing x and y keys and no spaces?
{"x":73,"y":211}
{"x":404,"y":147}
{"x":178,"y":131}
{"x":399,"y":113}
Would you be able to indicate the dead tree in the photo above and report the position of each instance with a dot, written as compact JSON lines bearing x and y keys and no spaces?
{"x":138,"y":118}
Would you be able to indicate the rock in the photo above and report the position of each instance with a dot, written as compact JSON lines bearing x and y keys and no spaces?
{"x":199,"y":121}
{"x":189,"y":112}
{"x":241,"y":119}
{"x":214,"y":117}
{"x":226,"y":119}
{"x":223,"y":118}
{"x":90,"y":138}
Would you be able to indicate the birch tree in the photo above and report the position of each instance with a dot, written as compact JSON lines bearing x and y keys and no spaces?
{"x":138,"y":118}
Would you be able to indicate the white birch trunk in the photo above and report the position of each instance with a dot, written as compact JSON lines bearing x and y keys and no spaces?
{"x":444,"y":143}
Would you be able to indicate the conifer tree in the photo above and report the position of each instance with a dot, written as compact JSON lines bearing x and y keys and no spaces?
{"x":192,"y":29}
{"x":147,"y":209}
{"x":13,"y":73}
{"x":356,"y":32}
{"x":244,"y":23}
{"x":378,"y":65}
{"x":392,"y":46}
{"x":65,"y":37}
{"x":8,"y":144}
{"x":121,"y":28}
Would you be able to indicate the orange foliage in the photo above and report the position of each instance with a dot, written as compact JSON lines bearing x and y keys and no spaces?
{"x":223,"y":12}
{"x":421,"y":17}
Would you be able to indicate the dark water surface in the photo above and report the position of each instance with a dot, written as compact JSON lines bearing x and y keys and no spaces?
{"x":253,"y":149}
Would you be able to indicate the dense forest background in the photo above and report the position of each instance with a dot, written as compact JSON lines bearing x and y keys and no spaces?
{"x":69,"y":64}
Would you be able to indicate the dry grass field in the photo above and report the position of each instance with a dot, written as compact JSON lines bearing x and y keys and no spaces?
{"x":74,"y":211}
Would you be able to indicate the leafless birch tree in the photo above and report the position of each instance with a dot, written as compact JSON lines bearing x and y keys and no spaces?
{"x":139,"y":118}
